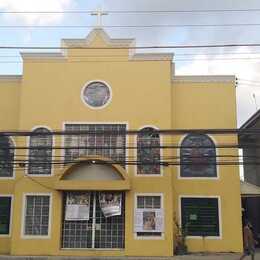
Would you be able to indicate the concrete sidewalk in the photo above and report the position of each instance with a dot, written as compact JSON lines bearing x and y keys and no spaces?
{"x":214,"y":257}
{"x":184,"y":257}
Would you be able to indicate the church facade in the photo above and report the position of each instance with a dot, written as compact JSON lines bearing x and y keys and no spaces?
{"x":92,"y":162}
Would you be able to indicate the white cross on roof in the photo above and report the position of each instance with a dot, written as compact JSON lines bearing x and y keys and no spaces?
{"x":99,"y":13}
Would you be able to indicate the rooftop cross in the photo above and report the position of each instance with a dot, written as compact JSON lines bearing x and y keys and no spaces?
{"x":99,"y":15}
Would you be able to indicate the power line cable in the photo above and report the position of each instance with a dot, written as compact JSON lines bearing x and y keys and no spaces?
{"x":162,"y":163}
{"x":119,"y":61}
{"x":249,"y":80}
{"x":231,"y":45}
{"x":132,"y":11}
{"x":61,"y":157}
{"x":121,"y":147}
{"x":128,"y":26}
{"x":130,"y":132}
{"x":121,"y":55}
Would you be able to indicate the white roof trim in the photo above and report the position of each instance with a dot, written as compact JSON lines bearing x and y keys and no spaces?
{"x":126,"y":43}
{"x":97,"y":31}
{"x":43,"y":55}
{"x":152,"y":56}
{"x":205,"y":78}
{"x":10,"y":78}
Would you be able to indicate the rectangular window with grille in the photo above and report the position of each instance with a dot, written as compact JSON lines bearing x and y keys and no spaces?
{"x":148,"y":203}
{"x":37,"y":213}
{"x":106,"y":140}
{"x":200,"y":216}
{"x":5,"y":214}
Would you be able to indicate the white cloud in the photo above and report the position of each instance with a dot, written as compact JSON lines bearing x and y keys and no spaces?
{"x":242,"y":69}
{"x":35,"y":5}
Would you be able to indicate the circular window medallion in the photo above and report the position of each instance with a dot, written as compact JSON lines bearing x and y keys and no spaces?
{"x":96,"y":94}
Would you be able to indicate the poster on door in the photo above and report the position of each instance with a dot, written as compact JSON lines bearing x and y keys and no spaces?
{"x":110,"y":203}
{"x":77,"y":206}
{"x":149,"y":220}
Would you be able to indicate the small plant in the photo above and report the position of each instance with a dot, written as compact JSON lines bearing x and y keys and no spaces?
{"x":180,"y":239}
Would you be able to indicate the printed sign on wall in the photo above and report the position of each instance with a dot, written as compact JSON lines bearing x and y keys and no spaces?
{"x":77,"y":206}
{"x":110,"y":203}
{"x":149,"y":220}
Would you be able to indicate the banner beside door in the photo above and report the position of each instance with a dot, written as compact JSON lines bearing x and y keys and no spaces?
{"x":77,"y":206}
{"x":110,"y":203}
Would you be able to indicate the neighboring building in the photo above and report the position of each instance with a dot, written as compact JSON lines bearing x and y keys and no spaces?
{"x":250,"y":187}
{"x":44,"y":204}
{"x":250,"y":141}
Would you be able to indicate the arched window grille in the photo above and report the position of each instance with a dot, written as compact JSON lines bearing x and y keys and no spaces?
{"x":6,"y":157}
{"x":148,"y":151}
{"x":198,"y":156}
{"x":40,"y":152}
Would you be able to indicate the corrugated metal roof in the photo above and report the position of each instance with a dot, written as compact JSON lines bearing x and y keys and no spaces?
{"x":249,"y":190}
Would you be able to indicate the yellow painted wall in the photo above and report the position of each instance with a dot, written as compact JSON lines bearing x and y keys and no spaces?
{"x":142,"y":95}
{"x":204,"y":105}
{"x":9,"y":105}
{"x":9,"y":114}
{"x":210,"y":105}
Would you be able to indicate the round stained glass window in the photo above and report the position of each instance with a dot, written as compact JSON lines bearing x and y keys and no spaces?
{"x":96,"y":94}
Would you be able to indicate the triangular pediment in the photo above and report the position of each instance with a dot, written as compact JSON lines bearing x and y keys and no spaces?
{"x":98,"y":38}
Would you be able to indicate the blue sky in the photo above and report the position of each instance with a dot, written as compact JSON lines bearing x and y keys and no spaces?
{"x":196,"y":64}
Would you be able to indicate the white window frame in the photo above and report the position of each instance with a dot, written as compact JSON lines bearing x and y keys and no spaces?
{"x":219,"y":215}
{"x":161,"y":153}
{"x":90,"y":82}
{"x":14,"y":172}
{"x":23,"y":235}
{"x":96,"y":123}
{"x":161,"y":237}
{"x":11,"y":215}
{"x":199,"y":178}
{"x":28,"y":152}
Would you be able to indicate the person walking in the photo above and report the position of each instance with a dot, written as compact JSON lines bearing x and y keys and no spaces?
{"x":249,"y":241}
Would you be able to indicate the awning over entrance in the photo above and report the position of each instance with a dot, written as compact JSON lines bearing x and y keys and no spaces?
{"x":249,"y":190}
{"x":93,"y":173}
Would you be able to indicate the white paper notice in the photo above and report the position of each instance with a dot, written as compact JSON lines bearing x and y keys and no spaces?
{"x":77,"y":206}
{"x":149,"y":220}
{"x":110,"y":203}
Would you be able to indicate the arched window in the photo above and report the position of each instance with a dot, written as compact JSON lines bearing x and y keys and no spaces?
{"x":40,"y":153}
{"x":198,"y":156}
{"x":6,"y":157}
{"x":148,"y":151}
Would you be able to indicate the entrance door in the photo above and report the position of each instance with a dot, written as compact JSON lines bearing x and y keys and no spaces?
{"x":98,"y":231}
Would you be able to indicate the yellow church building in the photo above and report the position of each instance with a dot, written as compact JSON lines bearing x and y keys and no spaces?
{"x":92,"y":162}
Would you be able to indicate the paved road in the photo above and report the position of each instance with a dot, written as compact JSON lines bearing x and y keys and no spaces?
{"x":215,"y":257}
{"x":186,"y":257}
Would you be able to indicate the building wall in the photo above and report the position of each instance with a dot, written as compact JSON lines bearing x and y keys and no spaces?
{"x":10,"y":87}
{"x":204,"y":105}
{"x":143,"y":94}
{"x":9,"y":114}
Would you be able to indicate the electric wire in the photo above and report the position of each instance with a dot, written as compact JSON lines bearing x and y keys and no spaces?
{"x":127,"y":147}
{"x":175,"y":54}
{"x":131,"y":11}
{"x":231,"y":45}
{"x":148,"y":26}
{"x":97,"y":60}
{"x":216,"y":131}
